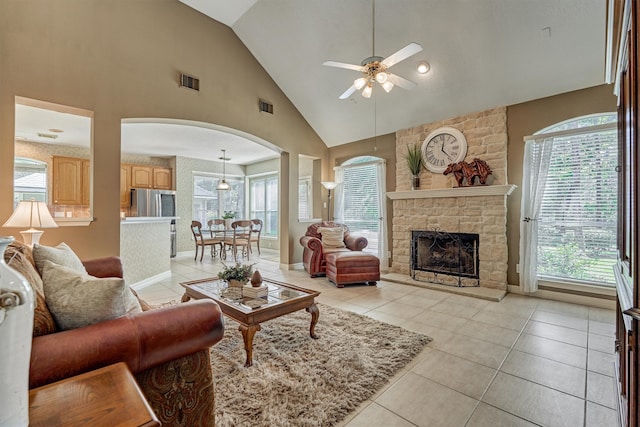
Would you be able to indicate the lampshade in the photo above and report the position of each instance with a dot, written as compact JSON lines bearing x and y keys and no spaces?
{"x":32,"y":214}
{"x":367,"y":91}
{"x":382,"y":77}
{"x":329,"y":185}
{"x":223,"y":185}
{"x":387,"y":86}
{"x":359,"y":83}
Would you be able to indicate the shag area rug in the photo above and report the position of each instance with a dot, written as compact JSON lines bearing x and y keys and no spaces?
{"x":298,"y":381}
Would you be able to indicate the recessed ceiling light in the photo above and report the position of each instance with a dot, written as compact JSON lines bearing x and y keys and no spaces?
{"x":423,"y":67}
{"x":56,"y":130}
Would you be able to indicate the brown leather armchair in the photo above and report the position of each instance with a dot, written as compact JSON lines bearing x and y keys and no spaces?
{"x":313,"y":255}
{"x":166,"y":349}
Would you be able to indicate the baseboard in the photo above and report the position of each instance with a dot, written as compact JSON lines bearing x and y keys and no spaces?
{"x":151,"y":280}
{"x":573,"y":298}
{"x":295,"y":266}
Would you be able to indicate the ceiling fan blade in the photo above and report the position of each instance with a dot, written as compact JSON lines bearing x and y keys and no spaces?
{"x":401,"y":55}
{"x":344,"y":65}
{"x":401,"y":81}
{"x":347,"y":93}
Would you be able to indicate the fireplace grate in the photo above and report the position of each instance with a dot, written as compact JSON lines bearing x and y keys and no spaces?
{"x":453,"y":255}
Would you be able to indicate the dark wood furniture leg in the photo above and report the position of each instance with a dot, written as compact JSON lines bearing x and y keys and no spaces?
{"x":315,"y":315}
{"x":248,"y":332}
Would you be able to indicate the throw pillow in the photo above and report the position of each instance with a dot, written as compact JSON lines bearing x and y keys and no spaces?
{"x":332,"y":237}
{"x":77,"y":299}
{"x":18,"y":256}
{"x":61,"y":255}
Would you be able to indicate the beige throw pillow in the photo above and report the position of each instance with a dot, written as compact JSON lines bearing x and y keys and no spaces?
{"x":76,"y":299}
{"x":332,"y":237}
{"x":61,"y":255}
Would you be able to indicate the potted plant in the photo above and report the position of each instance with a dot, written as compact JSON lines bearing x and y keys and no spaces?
{"x":228,"y":218}
{"x":237,"y":275}
{"x":414,"y":163}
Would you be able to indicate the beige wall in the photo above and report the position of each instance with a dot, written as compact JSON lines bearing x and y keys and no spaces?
{"x":121,"y":59}
{"x":526,"y":119}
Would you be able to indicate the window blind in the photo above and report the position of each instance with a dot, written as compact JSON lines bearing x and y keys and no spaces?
{"x":360,"y":202}
{"x":578,"y":218}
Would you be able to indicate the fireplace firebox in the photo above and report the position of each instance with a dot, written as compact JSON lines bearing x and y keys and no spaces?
{"x":453,"y":255}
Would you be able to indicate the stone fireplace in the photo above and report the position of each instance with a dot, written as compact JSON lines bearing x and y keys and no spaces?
{"x":438,"y":206}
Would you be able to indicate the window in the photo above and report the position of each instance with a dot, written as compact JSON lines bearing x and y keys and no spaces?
{"x":29,"y":180}
{"x":305,"y":207}
{"x":360,"y":202}
{"x":578,"y":216}
{"x":209,"y":203}
{"x":264,"y":202}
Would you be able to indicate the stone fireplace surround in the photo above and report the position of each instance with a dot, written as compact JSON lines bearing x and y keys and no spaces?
{"x":439,"y":206}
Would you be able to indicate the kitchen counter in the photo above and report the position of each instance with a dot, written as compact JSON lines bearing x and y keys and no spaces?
{"x":145,"y":250}
{"x":147,"y":219}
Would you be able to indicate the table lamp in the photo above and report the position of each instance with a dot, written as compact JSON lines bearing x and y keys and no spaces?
{"x":32,"y":214}
{"x":329,"y":185}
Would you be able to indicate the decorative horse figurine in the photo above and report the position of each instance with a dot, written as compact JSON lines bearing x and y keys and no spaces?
{"x":469,"y":171}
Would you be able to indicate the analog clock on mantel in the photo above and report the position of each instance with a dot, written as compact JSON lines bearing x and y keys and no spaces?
{"x":442,"y":147}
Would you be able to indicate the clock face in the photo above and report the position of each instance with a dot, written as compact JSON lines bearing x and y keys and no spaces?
{"x":443,"y":147}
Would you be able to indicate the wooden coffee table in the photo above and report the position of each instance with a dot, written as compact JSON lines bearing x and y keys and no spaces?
{"x":282,"y":299}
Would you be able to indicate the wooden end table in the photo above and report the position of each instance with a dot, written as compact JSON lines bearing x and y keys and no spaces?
{"x":106,"y":397}
{"x":282,"y":298}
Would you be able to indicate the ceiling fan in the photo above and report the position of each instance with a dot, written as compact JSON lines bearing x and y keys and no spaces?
{"x":374,"y":68}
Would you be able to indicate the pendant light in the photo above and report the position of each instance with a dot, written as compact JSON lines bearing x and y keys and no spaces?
{"x":223,"y":185}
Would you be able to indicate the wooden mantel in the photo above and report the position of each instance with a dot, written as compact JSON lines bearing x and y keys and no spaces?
{"x":480,"y":190}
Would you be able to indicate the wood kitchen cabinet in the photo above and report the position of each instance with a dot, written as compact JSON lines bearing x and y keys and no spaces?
{"x":151,"y":177}
{"x":141,"y":176}
{"x":125,"y":186}
{"x":86,"y":182}
{"x":162,"y":178}
{"x":67,"y":181}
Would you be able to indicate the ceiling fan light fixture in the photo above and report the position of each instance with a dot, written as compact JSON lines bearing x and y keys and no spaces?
{"x":382,"y":77}
{"x":367,"y":91}
{"x":387,"y":86}
{"x":359,"y":83}
{"x":423,"y":67}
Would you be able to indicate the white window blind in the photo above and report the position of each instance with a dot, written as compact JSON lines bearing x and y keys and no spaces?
{"x":264,"y":203}
{"x":578,"y":218}
{"x":360,"y":202}
{"x":304,"y":198}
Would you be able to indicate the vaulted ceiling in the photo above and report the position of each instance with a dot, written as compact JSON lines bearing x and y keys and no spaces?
{"x":483,"y":54}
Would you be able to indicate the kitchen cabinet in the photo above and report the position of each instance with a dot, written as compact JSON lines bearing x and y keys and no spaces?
{"x":162,"y":178}
{"x":125,"y":186}
{"x":86,"y":182}
{"x":151,"y":177}
{"x":67,"y":181}
{"x":141,"y":176}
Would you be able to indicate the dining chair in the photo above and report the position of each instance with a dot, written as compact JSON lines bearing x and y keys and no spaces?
{"x":201,"y":241}
{"x":256,"y":230}
{"x":218,"y":234}
{"x":240,"y":238}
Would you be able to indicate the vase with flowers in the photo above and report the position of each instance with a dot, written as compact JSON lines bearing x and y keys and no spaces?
{"x":236,"y":275}
{"x":228,"y":218}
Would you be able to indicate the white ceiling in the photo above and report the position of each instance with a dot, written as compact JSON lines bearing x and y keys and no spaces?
{"x":483,"y":54}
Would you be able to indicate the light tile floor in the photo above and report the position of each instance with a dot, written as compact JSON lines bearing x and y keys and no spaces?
{"x":519,"y":362}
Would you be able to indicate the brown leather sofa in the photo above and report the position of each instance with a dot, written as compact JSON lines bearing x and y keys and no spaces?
{"x":313,"y":255}
{"x":167,"y":349}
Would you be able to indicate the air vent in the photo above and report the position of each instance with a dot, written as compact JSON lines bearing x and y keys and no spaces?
{"x":189,"y":82}
{"x":47,"y":135}
{"x":265,"y":107}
